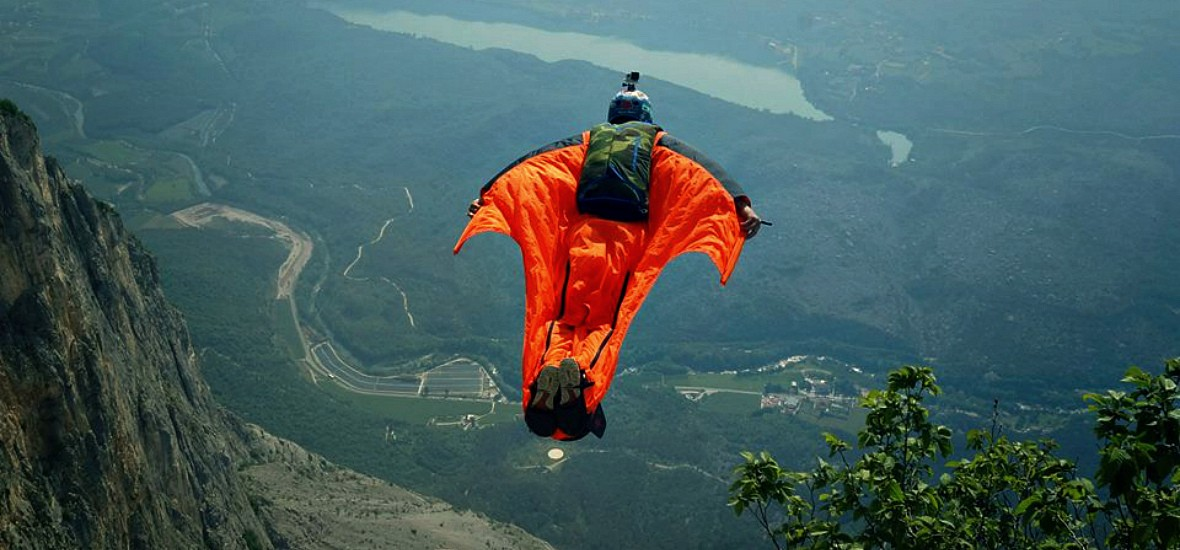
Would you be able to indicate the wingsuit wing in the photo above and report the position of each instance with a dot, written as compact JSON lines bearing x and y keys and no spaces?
{"x":533,"y":202}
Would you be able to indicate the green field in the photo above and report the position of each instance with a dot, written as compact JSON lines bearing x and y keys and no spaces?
{"x":114,"y":169}
{"x":419,"y":410}
{"x":286,"y":331}
{"x":758,"y":381}
{"x":849,"y":422}
{"x":730,"y":403}
{"x":113,"y":151}
{"x":733,"y":382}
{"x":168,"y":190}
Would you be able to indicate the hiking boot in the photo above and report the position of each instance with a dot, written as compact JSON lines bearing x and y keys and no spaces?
{"x":570,"y":379}
{"x":548,"y":387}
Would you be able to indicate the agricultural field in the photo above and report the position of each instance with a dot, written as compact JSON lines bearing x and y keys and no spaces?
{"x":428,"y":410}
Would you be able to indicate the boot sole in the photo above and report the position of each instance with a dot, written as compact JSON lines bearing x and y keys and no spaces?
{"x":570,"y":376}
{"x":548,"y":387}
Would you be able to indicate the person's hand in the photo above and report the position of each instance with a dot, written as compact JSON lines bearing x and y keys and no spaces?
{"x":749,"y":219}
{"x":473,"y":208}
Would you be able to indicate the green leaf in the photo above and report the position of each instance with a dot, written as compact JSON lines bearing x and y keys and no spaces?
{"x":1022,"y":508}
{"x":1135,"y":375}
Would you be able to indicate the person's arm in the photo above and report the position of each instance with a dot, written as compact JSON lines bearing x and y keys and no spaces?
{"x":748,"y":218}
{"x":567,"y":142}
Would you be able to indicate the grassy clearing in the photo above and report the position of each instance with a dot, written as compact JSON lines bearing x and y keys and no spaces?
{"x":110,"y":167}
{"x":848,"y":422}
{"x":152,"y":220}
{"x":744,"y":382}
{"x":836,"y":419}
{"x":142,"y":219}
{"x":731,"y":403}
{"x":286,"y":331}
{"x":731,"y":381}
{"x":417,"y":410}
{"x":169,"y":190}
{"x":113,"y":151}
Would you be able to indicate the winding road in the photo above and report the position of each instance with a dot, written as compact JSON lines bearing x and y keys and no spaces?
{"x":456,"y":378}
{"x":70,"y":104}
{"x":360,"y":253}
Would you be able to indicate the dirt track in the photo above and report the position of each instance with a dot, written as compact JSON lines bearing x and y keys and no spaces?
{"x":299,"y":243}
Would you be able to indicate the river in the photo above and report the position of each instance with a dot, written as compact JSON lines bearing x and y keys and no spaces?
{"x":757,"y":87}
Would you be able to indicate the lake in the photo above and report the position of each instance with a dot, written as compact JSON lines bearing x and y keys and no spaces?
{"x":762,"y":88}
{"x":898,"y":144}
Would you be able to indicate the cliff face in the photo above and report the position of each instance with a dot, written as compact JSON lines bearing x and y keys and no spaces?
{"x":108,"y":435}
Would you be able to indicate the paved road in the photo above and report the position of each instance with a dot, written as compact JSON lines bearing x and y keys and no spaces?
{"x":459,"y":377}
{"x":356,"y":380}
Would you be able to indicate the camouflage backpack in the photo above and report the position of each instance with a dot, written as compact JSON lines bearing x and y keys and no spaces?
{"x":616,"y":172}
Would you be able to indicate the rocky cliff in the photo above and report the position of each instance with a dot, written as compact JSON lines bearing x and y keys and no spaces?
{"x":109,"y":438}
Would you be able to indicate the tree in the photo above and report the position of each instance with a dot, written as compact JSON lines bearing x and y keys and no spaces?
{"x":1008,"y":494}
{"x":1140,"y":432}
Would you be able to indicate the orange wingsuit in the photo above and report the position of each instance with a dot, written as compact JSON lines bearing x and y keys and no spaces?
{"x":586,"y":277}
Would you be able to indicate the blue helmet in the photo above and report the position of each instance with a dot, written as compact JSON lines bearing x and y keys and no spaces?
{"x":629,"y":105}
